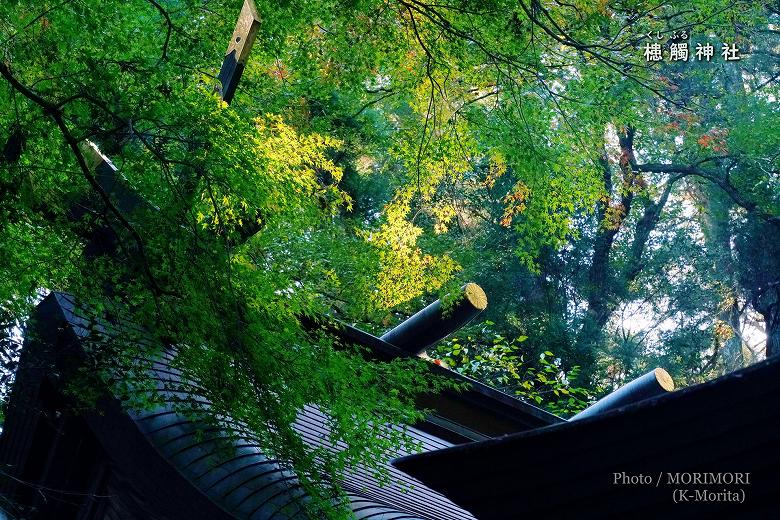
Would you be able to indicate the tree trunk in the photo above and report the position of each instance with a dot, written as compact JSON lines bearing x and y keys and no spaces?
{"x":718,"y":239}
{"x":602,"y":291}
{"x":768,"y":305}
{"x":773,"y":336}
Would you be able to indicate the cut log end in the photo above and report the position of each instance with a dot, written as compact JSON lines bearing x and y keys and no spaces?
{"x":434,"y":323}
{"x":664,"y":379}
{"x":653,"y":384}
{"x":475,"y":296}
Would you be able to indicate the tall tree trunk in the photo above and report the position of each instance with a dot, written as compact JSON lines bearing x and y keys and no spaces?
{"x":718,"y":236}
{"x":597,"y":292}
{"x":600,"y":287}
{"x":767,"y":303}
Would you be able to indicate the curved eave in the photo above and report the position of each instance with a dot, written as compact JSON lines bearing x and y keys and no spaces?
{"x":161,"y":450}
{"x":567,"y":470}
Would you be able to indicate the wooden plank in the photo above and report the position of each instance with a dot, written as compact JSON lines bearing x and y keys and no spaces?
{"x":238,"y":51}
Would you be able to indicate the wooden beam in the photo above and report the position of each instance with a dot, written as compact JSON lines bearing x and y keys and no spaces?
{"x":434,"y":323}
{"x":110,"y":180}
{"x":656,"y":382}
{"x":127,"y":200}
{"x":238,"y":51}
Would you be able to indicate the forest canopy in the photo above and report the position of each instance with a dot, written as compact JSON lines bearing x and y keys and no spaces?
{"x":621,"y":211}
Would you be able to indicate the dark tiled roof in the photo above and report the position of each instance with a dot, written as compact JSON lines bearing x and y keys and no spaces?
{"x":248,"y":484}
{"x":163,"y":459}
{"x":731,"y":424}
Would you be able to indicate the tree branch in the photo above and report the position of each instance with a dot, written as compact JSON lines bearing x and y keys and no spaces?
{"x":169,"y":27}
{"x":55,"y":112}
{"x":724,"y":184}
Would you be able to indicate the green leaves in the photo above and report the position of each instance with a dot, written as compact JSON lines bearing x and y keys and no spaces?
{"x":375,"y":153}
{"x":491,"y":358}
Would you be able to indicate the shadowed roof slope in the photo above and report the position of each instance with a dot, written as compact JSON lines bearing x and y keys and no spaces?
{"x":162,"y":464}
{"x":568,"y":470}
